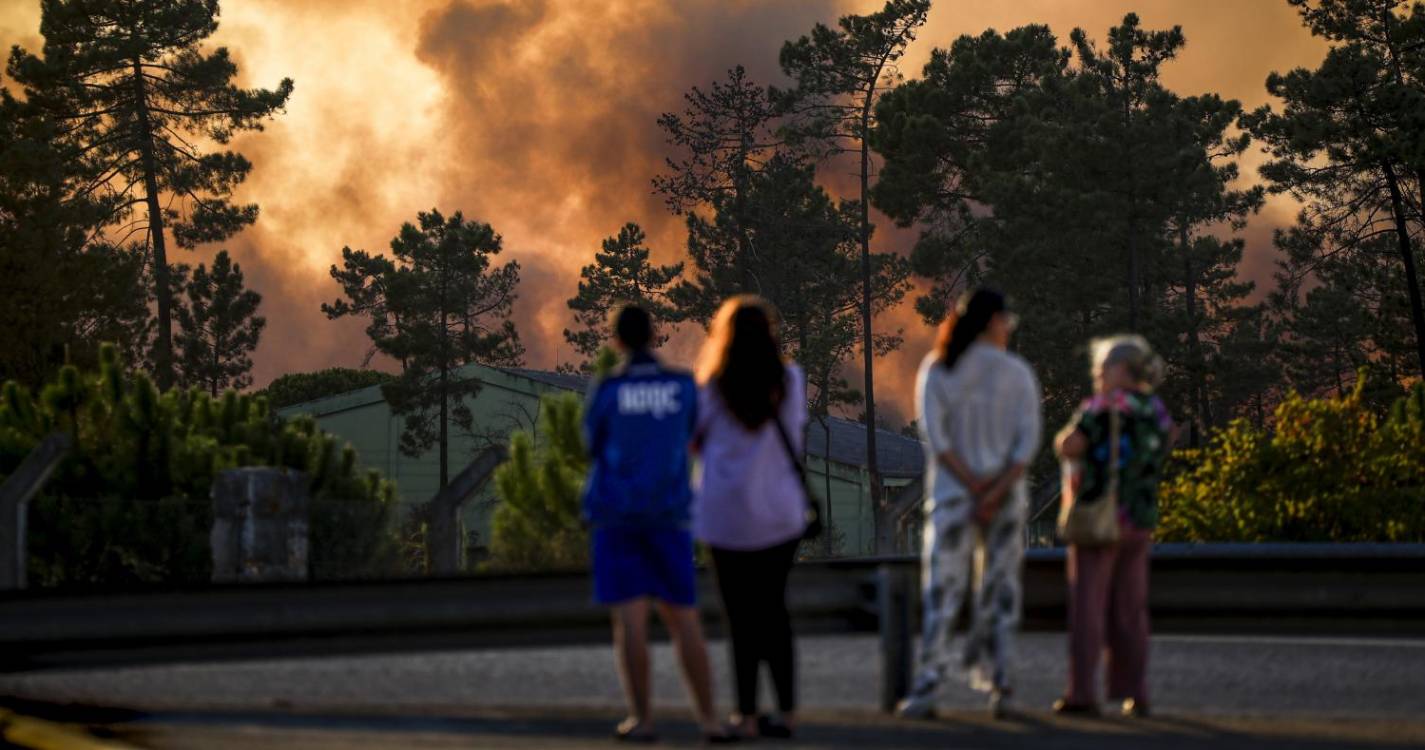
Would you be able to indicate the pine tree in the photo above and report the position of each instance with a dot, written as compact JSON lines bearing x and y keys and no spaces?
{"x":452,"y":304}
{"x":621,"y":273}
{"x":1341,"y":315}
{"x":218,"y":328}
{"x":1039,"y":170}
{"x":839,"y":75}
{"x":64,"y":290}
{"x":722,"y":140}
{"x":724,"y":136}
{"x":1347,"y":141}
{"x":1137,"y":113}
{"x":138,"y":98}
{"x":538,"y":523}
{"x":1203,"y":299}
{"x":802,"y":257}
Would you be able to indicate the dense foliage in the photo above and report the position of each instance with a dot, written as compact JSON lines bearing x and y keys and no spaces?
{"x":63,"y":292}
{"x":146,"y":112}
{"x":1346,"y":142}
{"x":538,"y":525}
{"x":300,"y":387}
{"x":130,"y":504}
{"x":1077,"y":182}
{"x":839,"y":75}
{"x":218,"y":328}
{"x":621,"y":273}
{"x":436,"y":304}
{"x":1329,"y":470}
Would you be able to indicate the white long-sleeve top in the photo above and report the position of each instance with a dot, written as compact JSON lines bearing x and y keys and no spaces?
{"x":986,"y":410}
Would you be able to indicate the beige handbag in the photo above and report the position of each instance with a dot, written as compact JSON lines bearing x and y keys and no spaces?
{"x":1093,"y":523}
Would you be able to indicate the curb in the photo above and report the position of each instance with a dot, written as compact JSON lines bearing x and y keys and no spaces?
{"x":38,"y":734}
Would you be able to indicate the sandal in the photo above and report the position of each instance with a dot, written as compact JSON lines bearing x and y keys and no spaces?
{"x":634,"y":735}
{"x":773,"y":729}
{"x":725,"y":737}
{"x":1064,"y":708}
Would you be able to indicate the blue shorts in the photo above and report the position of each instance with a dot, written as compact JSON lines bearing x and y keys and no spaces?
{"x":632,"y":562}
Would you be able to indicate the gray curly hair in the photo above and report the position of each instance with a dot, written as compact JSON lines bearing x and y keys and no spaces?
{"x":1132,"y":350}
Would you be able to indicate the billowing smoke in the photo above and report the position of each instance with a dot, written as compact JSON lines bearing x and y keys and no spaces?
{"x":538,"y":116}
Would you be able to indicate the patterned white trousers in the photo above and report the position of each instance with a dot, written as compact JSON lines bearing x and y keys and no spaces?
{"x":958,"y":554}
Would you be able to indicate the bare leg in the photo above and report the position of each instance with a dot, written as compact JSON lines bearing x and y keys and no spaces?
{"x":686,"y":630}
{"x":630,"y":622}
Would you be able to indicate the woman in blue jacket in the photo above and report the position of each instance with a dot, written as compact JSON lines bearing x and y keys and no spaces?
{"x":638,"y":425}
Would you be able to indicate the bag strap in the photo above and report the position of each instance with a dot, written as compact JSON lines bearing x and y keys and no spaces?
{"x":1115,"y":436}
{"x":792,"y":455}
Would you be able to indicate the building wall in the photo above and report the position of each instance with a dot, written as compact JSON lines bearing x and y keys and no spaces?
{"x":508,"y":402}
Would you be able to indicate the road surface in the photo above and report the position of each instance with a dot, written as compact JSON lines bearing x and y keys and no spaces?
{"x":1223,"y":691}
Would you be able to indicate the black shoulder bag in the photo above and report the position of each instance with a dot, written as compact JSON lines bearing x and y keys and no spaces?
{"x":813,"y":510}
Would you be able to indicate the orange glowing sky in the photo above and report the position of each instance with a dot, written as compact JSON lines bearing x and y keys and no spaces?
{"x":538,"y":116}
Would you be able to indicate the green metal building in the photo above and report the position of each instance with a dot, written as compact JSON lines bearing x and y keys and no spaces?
{"x":509,"y":400}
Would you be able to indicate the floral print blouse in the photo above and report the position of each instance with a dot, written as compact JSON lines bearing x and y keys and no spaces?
{"x":1145,"y":439}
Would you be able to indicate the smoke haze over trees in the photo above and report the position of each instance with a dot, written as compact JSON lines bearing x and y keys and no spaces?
{"x":1095,"y":163}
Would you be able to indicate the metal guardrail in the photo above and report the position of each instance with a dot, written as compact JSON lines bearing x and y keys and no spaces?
{"x":1312,"y":588}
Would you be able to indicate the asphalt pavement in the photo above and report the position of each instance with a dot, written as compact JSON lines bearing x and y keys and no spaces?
{"x":1222,"y":691}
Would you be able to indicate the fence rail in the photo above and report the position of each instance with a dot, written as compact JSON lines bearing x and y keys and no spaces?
{"x":1351,"y":588}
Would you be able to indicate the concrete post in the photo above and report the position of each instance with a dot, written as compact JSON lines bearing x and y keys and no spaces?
{"x":445,"y":541}
{"x":15,"y":494}
{"x":259,"y":525}
{"x":894,"y":605}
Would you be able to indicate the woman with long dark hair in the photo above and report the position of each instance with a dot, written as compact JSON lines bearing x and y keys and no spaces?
{"x":749,"y":508}
{"x":978,"y":410}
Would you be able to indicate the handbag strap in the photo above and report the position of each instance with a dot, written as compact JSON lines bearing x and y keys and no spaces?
{"x":1115,"y":436}
{"x":792,"y":455}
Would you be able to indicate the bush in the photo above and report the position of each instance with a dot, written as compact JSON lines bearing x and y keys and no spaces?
{"x":538,"y":524}
{"x":1331,"y":470}
{"x":300,"y":387}
{"x":131,"y":501}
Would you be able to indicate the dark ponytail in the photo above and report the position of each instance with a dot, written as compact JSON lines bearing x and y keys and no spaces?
{"x":971,"y":317}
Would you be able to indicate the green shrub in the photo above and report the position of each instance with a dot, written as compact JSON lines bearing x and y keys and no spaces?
{"x":1330,"y":469}
{"x":131,"y":501}
{"x":537,"y":524}
{"x":300,"y":387}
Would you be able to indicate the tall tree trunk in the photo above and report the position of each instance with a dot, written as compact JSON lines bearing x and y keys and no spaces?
{"x":444,"y":426}
{"x":885,"y":537}
{"x":830,"y":525}
{"x":163,"y":346}
{"x":1407,"y":257}
{"x":1197,"y":389}
{"x":1132,"y":268}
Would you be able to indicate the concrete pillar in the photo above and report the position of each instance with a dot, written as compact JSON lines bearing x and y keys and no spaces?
{"x":259,"y":525}
{"x":15,"y":494}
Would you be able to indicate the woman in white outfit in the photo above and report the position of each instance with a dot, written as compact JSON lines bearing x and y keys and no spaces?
{"x":978,"y":409}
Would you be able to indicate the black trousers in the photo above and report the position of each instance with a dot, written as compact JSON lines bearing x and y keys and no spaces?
{"x":753,"y":585}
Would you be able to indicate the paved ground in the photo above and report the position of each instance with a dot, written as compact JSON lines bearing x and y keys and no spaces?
{"x":1223,"y":691}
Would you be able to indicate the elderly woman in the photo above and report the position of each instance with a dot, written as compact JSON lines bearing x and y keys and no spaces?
{"x":1108,"y":583}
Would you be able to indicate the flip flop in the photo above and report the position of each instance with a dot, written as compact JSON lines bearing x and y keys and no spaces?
{"x":721,"y":738}
{"x":773,"y":729}
{"x":633,"y":736}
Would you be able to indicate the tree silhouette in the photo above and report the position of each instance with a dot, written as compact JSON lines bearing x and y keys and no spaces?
{"x":839,"y":74}
{"x":620,"y":273}
{"x":138,"y":98}
{"x":437,"y":304}
{"x":218,"y":328}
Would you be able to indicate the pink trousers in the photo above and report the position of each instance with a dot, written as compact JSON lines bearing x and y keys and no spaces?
{"x":1108,"y":610}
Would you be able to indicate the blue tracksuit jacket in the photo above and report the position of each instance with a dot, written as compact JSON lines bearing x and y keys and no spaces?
{"x":638,"y":424}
